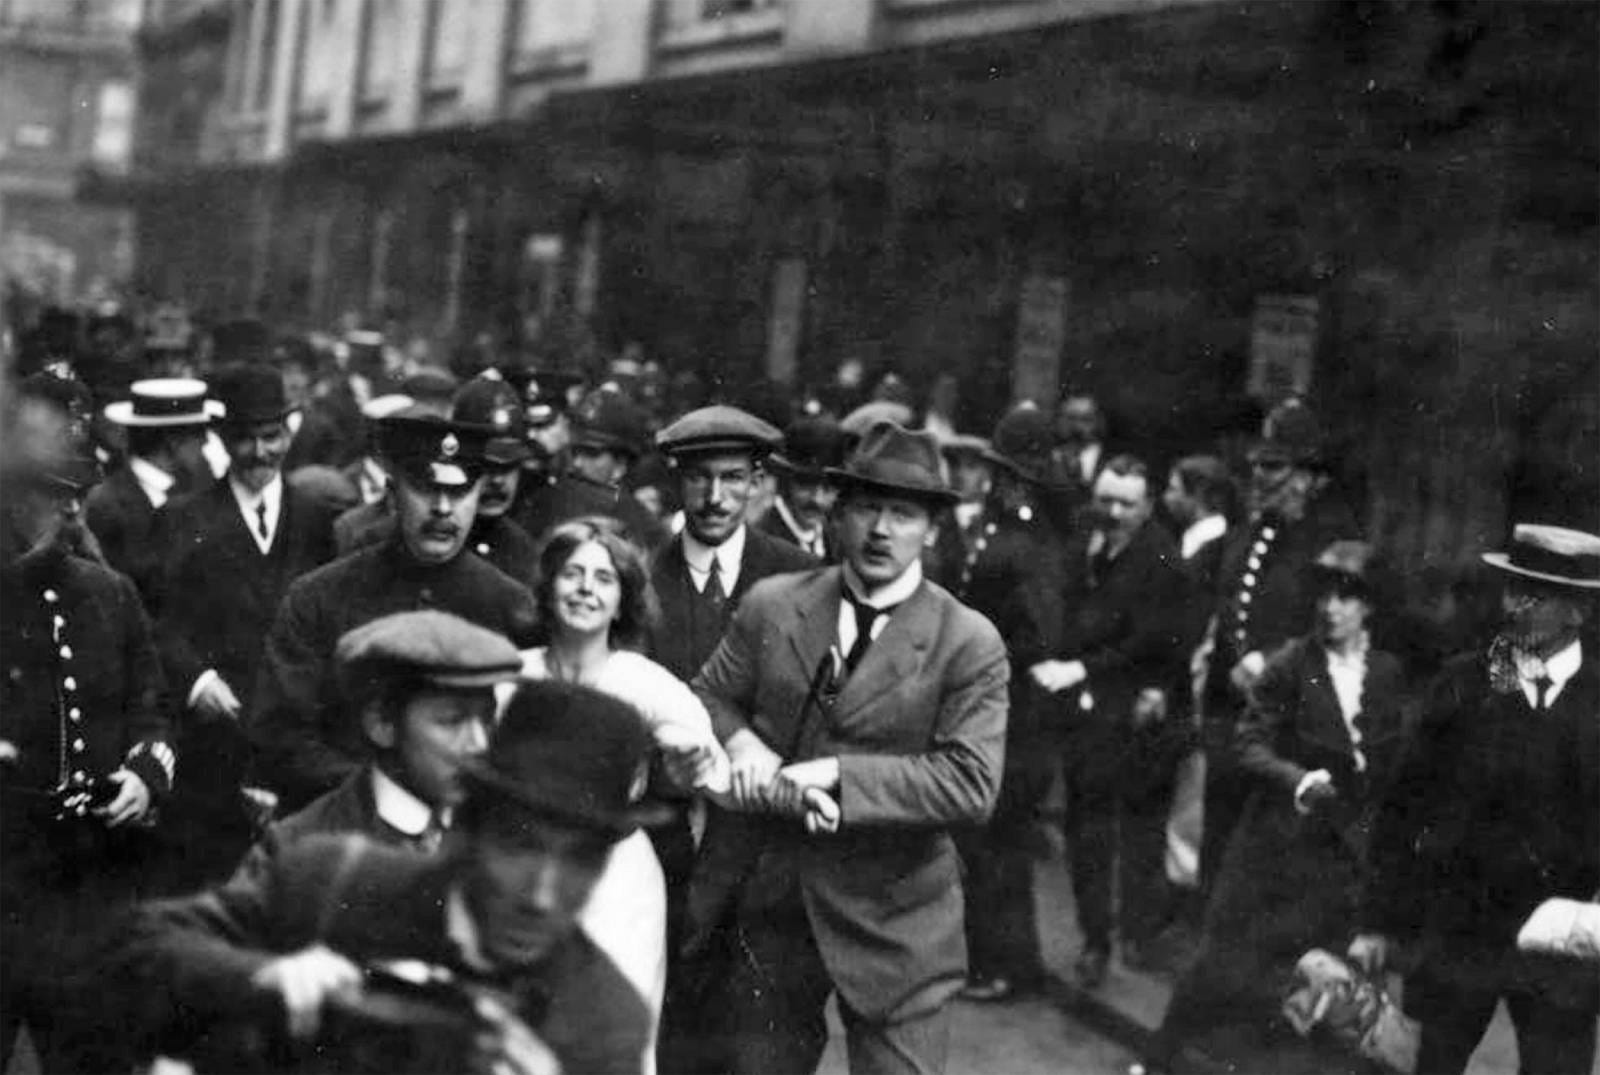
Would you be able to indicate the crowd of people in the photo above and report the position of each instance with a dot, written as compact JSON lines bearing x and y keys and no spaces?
{"x":364,"y":714}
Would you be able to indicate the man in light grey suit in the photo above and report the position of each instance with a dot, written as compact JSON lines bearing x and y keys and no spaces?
{"x":864,"y":711}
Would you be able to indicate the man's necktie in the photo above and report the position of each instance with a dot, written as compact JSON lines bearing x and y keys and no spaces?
{"x":714,"y":593}
{"x":261,"y":521}
{"x":866,"y":617}
{"x":1541,"y":693}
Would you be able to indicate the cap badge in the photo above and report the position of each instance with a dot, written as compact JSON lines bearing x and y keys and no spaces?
{"x":449,"y":446}
{"x":532,"y":391}
{"x":501,"y":417}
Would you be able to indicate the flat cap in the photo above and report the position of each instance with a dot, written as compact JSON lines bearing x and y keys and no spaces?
{"x":430,"y":450}
{"x":432,"y":646}
{"x":719,"y":428}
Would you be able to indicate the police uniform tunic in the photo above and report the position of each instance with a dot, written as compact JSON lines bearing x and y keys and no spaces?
{"x":306,"y":740}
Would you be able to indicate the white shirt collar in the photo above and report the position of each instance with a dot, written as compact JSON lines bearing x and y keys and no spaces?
{"x":1560,"y":667}
{"x":810,"y":540}
{"x":463,"y":931}
{"x":1089,"y":460}
{"x":372,"y":479}
{"x":153,"y":481}
{"x":729,"y":555}
{"x":890,"y":594}
{"x":1201,"y":532}
{"x":397,"y":807}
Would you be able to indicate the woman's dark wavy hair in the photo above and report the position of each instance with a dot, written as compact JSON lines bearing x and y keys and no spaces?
{"x":638,"y":608}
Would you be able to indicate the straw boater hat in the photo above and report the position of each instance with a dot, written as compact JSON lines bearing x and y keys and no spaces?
{"x":1551,"y":554}
{"x":164,"y":402}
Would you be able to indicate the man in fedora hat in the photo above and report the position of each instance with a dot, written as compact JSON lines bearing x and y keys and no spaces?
{"x":305,"y":740}
{"x":1263,"y":598}
{"x":166,"y":421}
{"x":811,"y":445}
{"x":230,"y":553}
{"x":716,"y":455}
{"x":873,"y":704}
{"x":1497,"y":810}
{"x":85,"y":756}
{"x":313,"y":945}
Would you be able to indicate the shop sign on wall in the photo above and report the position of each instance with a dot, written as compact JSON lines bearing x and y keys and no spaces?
{"x":1283,"y":346}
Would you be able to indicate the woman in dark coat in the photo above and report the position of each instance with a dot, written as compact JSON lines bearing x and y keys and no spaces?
{"x":1321,"y":738}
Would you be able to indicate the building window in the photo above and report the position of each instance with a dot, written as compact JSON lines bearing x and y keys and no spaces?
{"x":319,"y":49}
{"x":380,"y":48}
{"x":113,"y":131}
{"x":547,"y":24}
{"x":717,"y":9}
{"x":267,"y":60}
{"x":449,"y":30}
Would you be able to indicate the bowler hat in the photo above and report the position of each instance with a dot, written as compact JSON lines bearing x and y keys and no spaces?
{"x":1552,"y":554}
{"x":570,"y":754}
{"x":810,"y":446}
{"x":1349,"y":565}
{"x":610,"y":421}
{"x":488,"y":401}
{"x":718,"y":428}
{"x":165,"y":401}
{"x":1290,"y":434}
{"x":899,"y":461}
{"x":429,"y":450}
{"x":250,"y":392}
{"x":429,"y":646}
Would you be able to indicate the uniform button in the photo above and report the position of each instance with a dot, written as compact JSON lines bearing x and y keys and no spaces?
{"x":426,"y":595}
{"x":1244,"y":598}
{"x":77,"y":746}
{"x":51,"y":597}
{"x":70,"y":683}
{"x":80,"y":776}
{"x":14,"y":674}
{"x":1025,"y":513}
{"x":58,"y":621}
{"x":1250,"y":578}
{"x":483,"y":549}
{"x":74,"y":714}
{"x":1268,"y":533}
{"x":1254,"y":563}
{"x":66,"y":653}
{"x":1259,"y":548}
{"x":1243,"y":615}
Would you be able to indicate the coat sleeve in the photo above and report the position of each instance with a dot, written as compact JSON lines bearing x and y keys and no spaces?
{"x":1273,"y":706}
{"x":149,"y":726}
{"x":293,"y":695}
{"x":958,"y":778}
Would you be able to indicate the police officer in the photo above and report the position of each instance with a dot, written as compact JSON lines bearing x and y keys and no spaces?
{"x":306,"y":741}
{"x":490,"y":402}
{"x":84,"y":757}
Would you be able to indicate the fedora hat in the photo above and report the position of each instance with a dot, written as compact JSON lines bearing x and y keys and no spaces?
{"x":893,"y":459}
{"x":570,"y":754}
{"x":165,"y":401}
{"x":250,"y":393}
{"x":1552,"y":554}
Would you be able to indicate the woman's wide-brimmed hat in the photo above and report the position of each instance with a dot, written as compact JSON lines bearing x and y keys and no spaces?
{"x":896,"y":460}
{"x":1551,"y":554}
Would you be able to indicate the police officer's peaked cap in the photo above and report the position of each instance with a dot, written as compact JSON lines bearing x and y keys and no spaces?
{"x":429,"y":450}
{"x":718,"y":428}
{"x":428,"y":646}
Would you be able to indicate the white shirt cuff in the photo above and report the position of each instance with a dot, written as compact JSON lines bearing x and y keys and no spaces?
{"x":201,"y":682}
{"x":1312,"y":779}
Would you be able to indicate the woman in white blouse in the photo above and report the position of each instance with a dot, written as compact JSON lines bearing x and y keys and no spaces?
{"x":594,"y":592}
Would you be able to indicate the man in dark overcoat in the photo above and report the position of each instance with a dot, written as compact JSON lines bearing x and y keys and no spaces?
{"x":872,"y":704}
{"x":84,"y":758}
{"x":799,"y":514}
{"x":1495,"y":810}
{"x":1118,"y":663}
{"x":231,"y":552}
{"x":305,"y":740}
{"x":299,"y":950}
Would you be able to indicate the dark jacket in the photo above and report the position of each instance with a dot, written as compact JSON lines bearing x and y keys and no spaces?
{"x":773,"y":524}
{"x":192,"y":960}
{"x":1495,"y":809}
{"x":86,"y":694}
{"x":123,"y":520}
{"x":689,"y":629}
{"x":306,"y":739}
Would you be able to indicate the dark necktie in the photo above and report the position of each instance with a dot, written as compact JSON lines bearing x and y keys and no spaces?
{"x":1541,"y":693}
{"x":714,"y":593}
{"x":261,"y":520}
{"x":866,"y":617}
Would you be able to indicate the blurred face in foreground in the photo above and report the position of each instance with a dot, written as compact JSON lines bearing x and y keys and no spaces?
{"x":527,"y":879}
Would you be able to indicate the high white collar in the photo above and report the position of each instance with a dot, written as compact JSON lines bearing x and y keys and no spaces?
{"x":1201,"y":532}
{"x":397,"y":807}
{"x":891,"y":593}
{"x":153,"y":481}
{"x":730,"y":554}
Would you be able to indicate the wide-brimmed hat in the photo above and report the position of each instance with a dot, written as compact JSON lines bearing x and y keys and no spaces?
{"x":428,"y":450}
{"x":718,"y":428}
{"x":570,"y":754}
{"x":858,"y":422}
{"x":1552,"y":554}
{"x":250,"y":393}
{"x":811,"y":446}
{"x":162,"y":402}
{"x":489,"y":402}
{"x":900,"y":461}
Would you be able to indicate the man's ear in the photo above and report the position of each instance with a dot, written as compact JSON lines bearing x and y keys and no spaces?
{"x":379,"y":729}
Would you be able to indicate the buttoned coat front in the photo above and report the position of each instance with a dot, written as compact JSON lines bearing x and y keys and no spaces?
{"x":919,"y":731}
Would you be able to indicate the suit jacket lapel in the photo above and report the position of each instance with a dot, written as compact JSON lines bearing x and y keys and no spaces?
{"x":1324,"y":716}
{"x":816,"y":625}
{"x":894,"y":657}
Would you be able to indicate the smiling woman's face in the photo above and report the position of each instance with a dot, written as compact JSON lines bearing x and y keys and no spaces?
{"x":587,"y":591}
